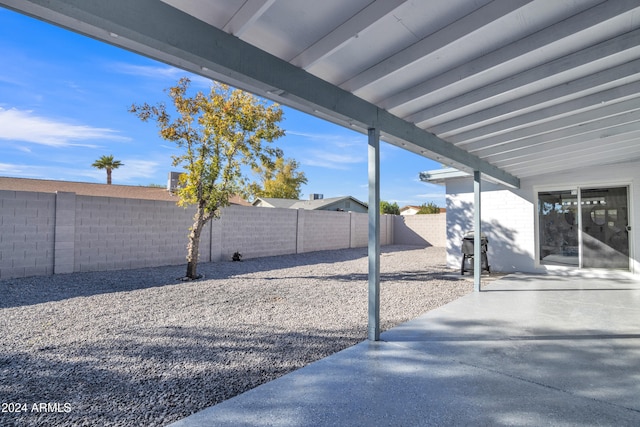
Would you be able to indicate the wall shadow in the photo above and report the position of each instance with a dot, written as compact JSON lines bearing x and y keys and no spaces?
{"x":41,"y":289}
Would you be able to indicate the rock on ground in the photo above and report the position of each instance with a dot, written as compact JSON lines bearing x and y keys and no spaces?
{"x":141,"y":347}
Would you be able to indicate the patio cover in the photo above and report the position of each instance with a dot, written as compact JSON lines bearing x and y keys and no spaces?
{"x":501,"y":89}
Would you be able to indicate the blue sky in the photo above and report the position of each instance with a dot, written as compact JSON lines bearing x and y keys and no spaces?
{"x":64,"y":100}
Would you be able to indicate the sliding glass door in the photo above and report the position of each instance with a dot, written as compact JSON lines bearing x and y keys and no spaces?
{"x":558,"y":225}
{"x":605,"y":238}
{"x":584,"y":227}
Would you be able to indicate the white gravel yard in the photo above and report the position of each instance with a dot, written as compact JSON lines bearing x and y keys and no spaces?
{"x":139,"y":347}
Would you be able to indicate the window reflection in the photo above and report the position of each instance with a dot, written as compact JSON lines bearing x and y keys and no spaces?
{"x":598,"y":216}
{"x":557,"y":211}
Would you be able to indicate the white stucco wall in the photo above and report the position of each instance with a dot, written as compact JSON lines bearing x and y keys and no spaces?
{"x":509,"y":215}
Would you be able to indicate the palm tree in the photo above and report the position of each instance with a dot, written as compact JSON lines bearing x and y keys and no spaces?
{"x":107,"y":162}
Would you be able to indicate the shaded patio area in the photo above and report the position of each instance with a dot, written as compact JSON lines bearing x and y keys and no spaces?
{"x":529,"y":350}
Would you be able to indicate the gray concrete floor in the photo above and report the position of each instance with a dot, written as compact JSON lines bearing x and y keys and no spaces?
{"x":527,"y":351}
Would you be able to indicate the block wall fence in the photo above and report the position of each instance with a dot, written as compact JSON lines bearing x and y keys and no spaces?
{"x":46,"y":233}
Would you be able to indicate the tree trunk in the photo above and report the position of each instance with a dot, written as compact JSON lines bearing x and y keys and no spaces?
{"x":108,"y":176}
{"x":199,"y":221}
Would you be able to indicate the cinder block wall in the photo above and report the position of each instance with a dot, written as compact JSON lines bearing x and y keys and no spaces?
{"x":323,"y":230}
{"x":420,"y":229}
{"x":360,"y":229}
{"x":27,"y":226}
{"x":43,"y":233}
{"x":114,"y":234}
{"x":254,"y":232}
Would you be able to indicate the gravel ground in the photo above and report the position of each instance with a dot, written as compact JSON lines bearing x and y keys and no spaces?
{"x":140,"y":347}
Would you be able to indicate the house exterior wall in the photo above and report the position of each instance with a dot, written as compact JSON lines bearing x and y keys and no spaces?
{"x":45,"y":233}
{"x":509,"y":215}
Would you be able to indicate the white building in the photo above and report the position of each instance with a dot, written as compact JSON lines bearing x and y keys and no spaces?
{"x":578,"y":219}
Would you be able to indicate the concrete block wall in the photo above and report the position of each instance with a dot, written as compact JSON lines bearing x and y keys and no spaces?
{"x":43,"y":233}
{"x":255,"y":232}
{"x":359,"y":234}
{"x":323,"y":230}
{"x":65,"y":228}
{"x":360,"y":229}
{"x":113,"y":233}
{"x":27,"y":230}
{"x":420,"y":229}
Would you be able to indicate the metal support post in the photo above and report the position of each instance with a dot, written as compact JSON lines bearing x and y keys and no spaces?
{"x":374,"y":235}
{"x":477,"y":230}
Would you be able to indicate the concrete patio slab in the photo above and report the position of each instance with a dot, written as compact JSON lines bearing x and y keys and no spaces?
{"x":529,"y":350}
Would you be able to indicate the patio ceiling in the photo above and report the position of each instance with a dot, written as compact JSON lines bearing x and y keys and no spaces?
{"x":513,"y":88}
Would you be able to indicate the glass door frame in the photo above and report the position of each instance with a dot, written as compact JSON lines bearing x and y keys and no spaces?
{"x":578,"y":190}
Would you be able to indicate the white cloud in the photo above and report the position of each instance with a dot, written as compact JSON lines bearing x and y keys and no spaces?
{"x":10,"y":80}
{"x":152,"y":71}
{"x":336,"y":151}
{"x":335,"y":140}
{"x":331,"y":160}
{"x":160,"y":72}
{"x":133,"y":169}
{"x":18,"y":125}
{"x":8,"y":169}
{"x":45,"y":172}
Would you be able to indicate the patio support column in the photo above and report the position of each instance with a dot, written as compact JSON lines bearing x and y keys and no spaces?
{"x":374,"y":235}
{"x":477,"y":230}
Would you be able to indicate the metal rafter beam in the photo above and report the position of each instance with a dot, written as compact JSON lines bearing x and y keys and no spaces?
{"x":345,"y":32}
{"x":592,"y":158}
{"x":438,"y":40}
{"x":247,"y":15}
{"x":624,"y":49}
{"x":567,"y":123}
{"x":578,"y":136}
{"x":616,"y":95}
{"x":621,"y":136}
{"x":415,"y":97}
{"x":178,"y":38}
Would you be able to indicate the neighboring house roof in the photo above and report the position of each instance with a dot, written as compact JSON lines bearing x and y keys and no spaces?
{"x":324,"y":203}
{"x":317,"y":204}
{"x":237,"y":200}
{"x":409,"y":209}
{"x":274,"y":203}
{"x":94,"y":189}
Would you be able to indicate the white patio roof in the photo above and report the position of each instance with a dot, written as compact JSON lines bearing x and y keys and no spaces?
{"x":502,"y":89}
{"x":513,"y":88}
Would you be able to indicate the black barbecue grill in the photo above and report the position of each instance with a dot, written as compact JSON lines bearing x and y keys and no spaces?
{"x":468,"y":242}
